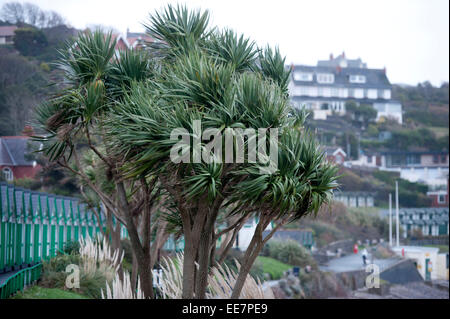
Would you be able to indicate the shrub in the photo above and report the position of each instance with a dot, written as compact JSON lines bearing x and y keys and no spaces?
{"x":290,"y":252}
{"x":71,"y":247}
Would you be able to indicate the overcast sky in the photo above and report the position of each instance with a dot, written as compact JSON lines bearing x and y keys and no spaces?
{"x":408,"y":37}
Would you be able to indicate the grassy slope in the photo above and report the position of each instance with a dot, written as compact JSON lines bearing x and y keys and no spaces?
{"x":37,"y":292}
{"x":442,"y":248}
{"x":273,"y":267}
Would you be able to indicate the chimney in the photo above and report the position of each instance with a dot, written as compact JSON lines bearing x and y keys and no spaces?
{"x":28,"y":130}
{"x":331,"y":56}
{"x":292,"y":66}
{"x":343,"y":54}
{"x":384,"y":70}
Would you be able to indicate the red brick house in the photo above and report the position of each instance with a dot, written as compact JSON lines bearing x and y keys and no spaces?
{"x":439,"y":198}
{"x":335,"y":154}
{"x":13,"y":162}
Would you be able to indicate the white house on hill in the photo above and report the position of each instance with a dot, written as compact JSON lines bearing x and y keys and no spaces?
{"x":326,"y":87}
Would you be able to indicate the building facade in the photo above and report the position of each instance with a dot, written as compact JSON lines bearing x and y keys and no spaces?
{"x":13,"y":161}
{"x":327,"y":87}
{"x":7,"y":34}
{"x":427,"y":167}
{"x":355,"y":199}
{"x":335,"y":154}
{"x":430,"y":221}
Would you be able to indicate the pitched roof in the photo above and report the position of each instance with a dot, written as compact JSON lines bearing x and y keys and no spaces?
{"x":7,"y":31}
{"x":135,"y":38}
{"x":356,"y":63}
{"x":375,"y":78}
{"x":333,"y":150}
{"x":304,"y":237}
{"x":13,"y":150}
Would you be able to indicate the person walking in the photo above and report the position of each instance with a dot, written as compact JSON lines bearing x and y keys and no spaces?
{"x":364,"y":255}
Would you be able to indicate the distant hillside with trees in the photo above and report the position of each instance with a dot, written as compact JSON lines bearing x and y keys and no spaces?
{"x":424,"y":104}
{"x":27,"y":73}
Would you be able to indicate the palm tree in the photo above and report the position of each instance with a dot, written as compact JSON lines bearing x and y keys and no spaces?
{"x":225,"y":81}
{"x":96,"y":79}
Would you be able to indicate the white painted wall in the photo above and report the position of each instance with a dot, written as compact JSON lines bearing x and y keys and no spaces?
{"x":419,"y":254}
{"x":246,"y":234}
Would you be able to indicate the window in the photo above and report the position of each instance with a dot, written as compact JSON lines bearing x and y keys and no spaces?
{"x":7,"y":174}
{"x":335,"y":92}
{"x":443,"y":158}
{"x":303,"y":90}
{"x":369,"y":159}
{"x":302,"y":76}
{"x":413,"y":159}
{"x":325,"y":78}
{"x":326,"y":92}
{"x":435,"y":159}
{"x":372,"y":93}
{"x":441,"y":198}
{"x":357,"y":79}
{"x":359,"y":93}
{"x":387,"y":94}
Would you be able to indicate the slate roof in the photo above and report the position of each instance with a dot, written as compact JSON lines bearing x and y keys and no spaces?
{"x":13,"y":150}
{"x":356,"y":63}
{"x":7,"y":31}
{"x":375,"y":78}
{"x":304,"y":237}
{"x":330,"y":150}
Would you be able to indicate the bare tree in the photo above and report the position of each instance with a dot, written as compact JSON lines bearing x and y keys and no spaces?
{"x":15,"y":12}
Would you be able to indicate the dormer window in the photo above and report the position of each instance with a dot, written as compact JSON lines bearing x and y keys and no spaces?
{"x":303,"y":76}
{"x":357,"y":79}
{"x":325,"y":78}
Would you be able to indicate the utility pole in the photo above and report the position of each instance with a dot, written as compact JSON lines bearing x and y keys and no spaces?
{"x":390,"y":219}
{"x":397,"y":215}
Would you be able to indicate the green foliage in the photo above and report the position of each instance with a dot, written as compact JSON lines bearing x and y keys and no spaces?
{"x":423,"y":137}
{"x":289,"y":252}
{"x":54,"y":276}
{"x":30,"y":41}
{"x":72,"y":247}
{"x":382,"y":183}
{"x":372,"y":130}
{"x":273,"y":267}
{"x":37,"y":292}
{"x":361,"y":113}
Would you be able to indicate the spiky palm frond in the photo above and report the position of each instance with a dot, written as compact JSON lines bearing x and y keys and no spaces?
{"x":178,"y":30}
{"x":301,"y":184}
{"x":87,"y":58}
{"x":129,"y":66}
{"x":272,"y":65}
{"x":232,"y":49}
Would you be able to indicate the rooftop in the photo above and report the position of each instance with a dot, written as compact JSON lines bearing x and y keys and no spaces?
{"x":13,"y":150}
{"x":7,"y":31}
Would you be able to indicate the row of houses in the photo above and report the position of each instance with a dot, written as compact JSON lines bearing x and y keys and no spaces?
{"x":129,"y":40}
{"x":428,"y":167}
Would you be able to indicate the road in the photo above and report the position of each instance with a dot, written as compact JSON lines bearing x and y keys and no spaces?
{"x":355,"y":262}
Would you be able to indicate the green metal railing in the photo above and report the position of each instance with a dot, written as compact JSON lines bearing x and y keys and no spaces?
{"x":35,"y":226}
{"x":20,"y":280}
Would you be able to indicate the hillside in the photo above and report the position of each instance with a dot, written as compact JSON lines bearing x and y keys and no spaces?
{"x":27,"y":74}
